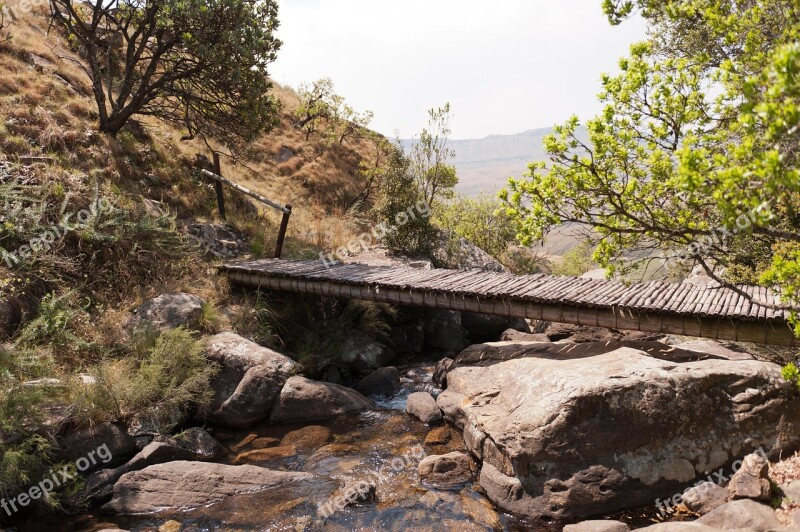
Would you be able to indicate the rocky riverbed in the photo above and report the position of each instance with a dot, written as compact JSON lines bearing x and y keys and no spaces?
{"x":538,"y":431}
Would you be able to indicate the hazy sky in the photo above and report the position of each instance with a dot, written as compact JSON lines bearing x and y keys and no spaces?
{"x":505,"y":66}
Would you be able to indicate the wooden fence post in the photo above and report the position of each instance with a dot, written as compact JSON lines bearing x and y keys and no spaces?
{"x":282,"y":231}
{"x":218,"y":187}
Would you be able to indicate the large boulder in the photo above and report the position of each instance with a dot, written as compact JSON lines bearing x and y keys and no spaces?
{"x":249,"y":381}
{"x":744,"y":514}
{"x":443,"y":330}
{"x":192,"y":444}
{"x":382,"y":381}
{"x":302,"y":399}
{"x":170,"y":310}
{"x":705,"y":497}
{"x":565,"y":437}
{"x":103,"y":445}
{"x":183,"y":485}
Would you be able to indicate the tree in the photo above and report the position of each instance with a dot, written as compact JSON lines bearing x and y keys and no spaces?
{"x":201,"y":64}
{"x":481,"y":220}
{"x":321,"y":110}
{"x":429,"y":155}
{"x":695,"y":152}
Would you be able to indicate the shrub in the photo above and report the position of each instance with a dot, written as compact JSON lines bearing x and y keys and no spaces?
{"x":576,"y":261}
{"x":174,"y":375}
{"x":481,"y":220}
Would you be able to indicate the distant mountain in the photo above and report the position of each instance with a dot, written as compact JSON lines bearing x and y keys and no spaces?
{"x":484,"y":165}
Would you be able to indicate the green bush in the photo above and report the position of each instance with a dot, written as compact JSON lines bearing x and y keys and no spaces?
{"x":173,"y":375}
{"x":576,"y":261}
{"x":480,"y":220}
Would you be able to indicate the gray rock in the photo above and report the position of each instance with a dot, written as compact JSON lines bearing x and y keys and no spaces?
{"x":705,"y":497}
{"x":192,"y":444}
{"x":488,"y":327}
{"x":792,"y":490}
{"x":249,"y":381}
{"x":750,"y":480}
{"x":302,"y":399}
{"x":449,"y":403}
{"x":170,"y":310}
{"x":381,"y":382}
{"x":422,"y":405}
{"x":743,"y":513}
{"x":614,"y":430}
{"x":513,"y":335}
{"x":358,"y":491}
{"x":443,"y":330}
{"x":179,"y":486}
{"x":447,"y":471}
{"x":597,"y":526}
{"x":110,"y":438}
{"x":681,"y":526}
{"x":362,"y":352}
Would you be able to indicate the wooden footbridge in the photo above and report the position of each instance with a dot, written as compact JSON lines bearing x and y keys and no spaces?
{"x":658,"y":307}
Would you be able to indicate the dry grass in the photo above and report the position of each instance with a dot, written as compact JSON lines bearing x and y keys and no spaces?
{"x":46,"y":111}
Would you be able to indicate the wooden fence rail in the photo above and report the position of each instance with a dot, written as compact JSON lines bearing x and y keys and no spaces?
{"x":219,"y":180}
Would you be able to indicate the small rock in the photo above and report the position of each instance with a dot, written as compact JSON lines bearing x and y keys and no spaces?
{"x":170,"y":526}
{"x":381,"y":382}
{"x":198,"y":442}
{"x":481,"y":511}
{"x":423,"y":406}
{"x":598,"y":525}
{"x":705,"y":497}
{"x":302,"y":399}
{"x":358,"y":491}
{"x":750,"y":480}
{"x":744,"y":513}
{"x":263,"y":443}
{"x":513,"y":335}
{"x":680,"y":526}
{"x":265,"y":455}
{"x":447,"y":471}
{"x":244,"y":442}
{"x":438,"y":436}
{"x":168,"y":311}
{"x":308,"y":438}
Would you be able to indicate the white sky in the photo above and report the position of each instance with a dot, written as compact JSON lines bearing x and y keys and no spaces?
{"x":505,"y":66}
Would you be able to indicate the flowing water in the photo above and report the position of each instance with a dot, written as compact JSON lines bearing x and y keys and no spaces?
{"x":382,"y":447}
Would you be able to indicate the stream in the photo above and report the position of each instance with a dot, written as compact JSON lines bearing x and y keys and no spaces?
{"x":382,"y":446}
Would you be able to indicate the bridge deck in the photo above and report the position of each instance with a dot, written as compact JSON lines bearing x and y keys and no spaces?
{"x":705,"y":311}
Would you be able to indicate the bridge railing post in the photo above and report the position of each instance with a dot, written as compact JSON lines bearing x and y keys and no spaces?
{"x":218,"y":187}
{"x":282,"y":231}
